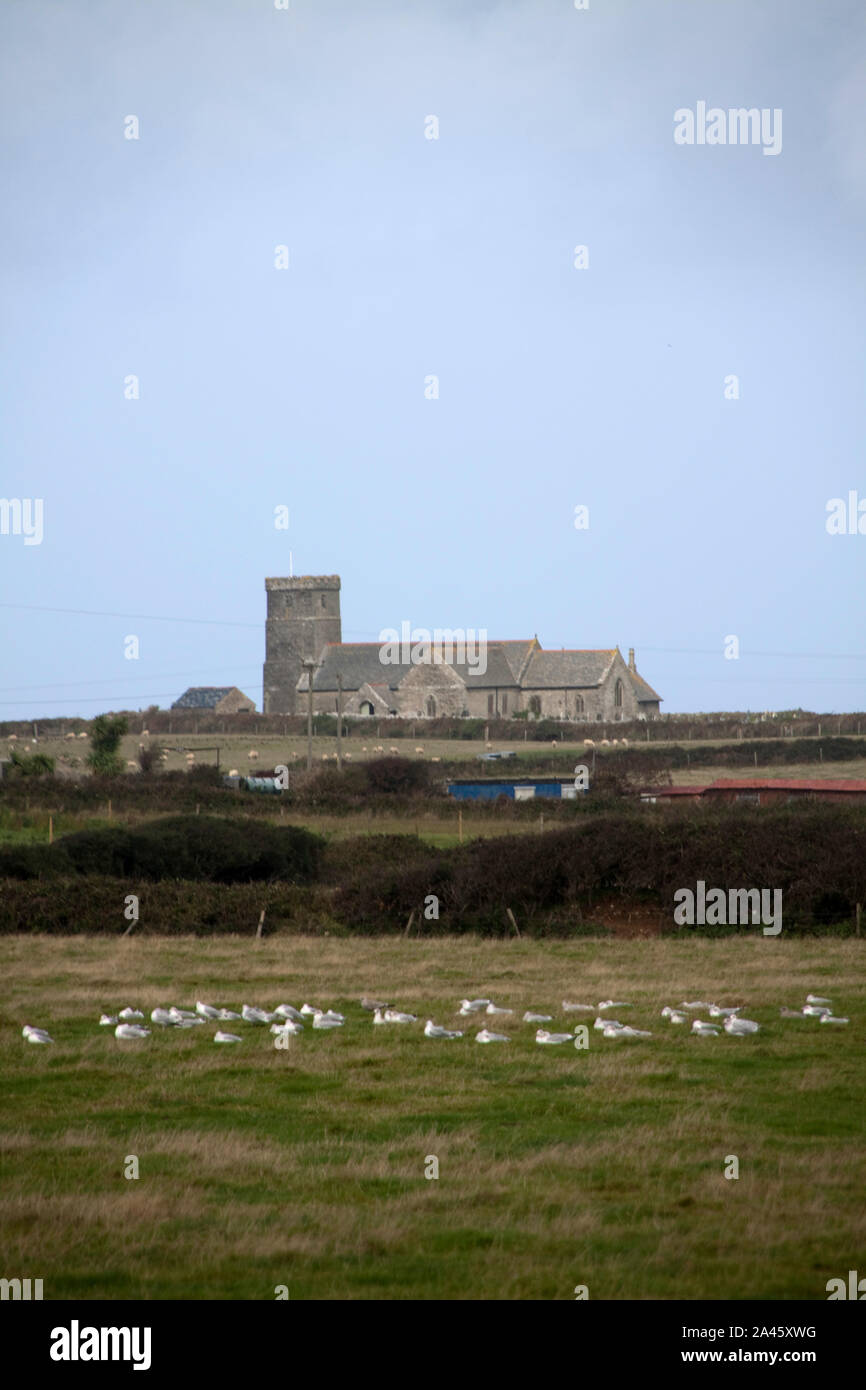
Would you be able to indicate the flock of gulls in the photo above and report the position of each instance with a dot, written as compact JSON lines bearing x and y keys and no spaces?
{"x":286,"y":1021}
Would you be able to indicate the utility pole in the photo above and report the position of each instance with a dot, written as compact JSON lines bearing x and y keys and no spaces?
{"x":309,"y":667}
{"x":339,"y":721}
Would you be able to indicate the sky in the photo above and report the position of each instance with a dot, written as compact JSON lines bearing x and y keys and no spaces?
{"x":696,"y":383}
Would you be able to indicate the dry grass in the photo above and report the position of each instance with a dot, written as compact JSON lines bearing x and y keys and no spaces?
{"x":556,"y":1166}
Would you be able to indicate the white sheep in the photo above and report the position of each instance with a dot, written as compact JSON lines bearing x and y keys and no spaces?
{"x":589,"y":743}
{"x":13,"y":738}
{"x":70,"y":735}
{"x":624,"y":742}
{"x":347,"y":757}
{"x":393,"y":750}
{"x":233,"y":772}
{"x":435,"y":760}
{"x":419,"y":750}
{"x":131,"y":764}
{"x":253,"y":754}
{"x":605,"y":743}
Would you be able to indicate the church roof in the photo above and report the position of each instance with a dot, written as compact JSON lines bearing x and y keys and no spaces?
{"x":203,"y":696}
{"x":556,"y":670}
{"x":359,"y":664}
{"x":642,"y":689}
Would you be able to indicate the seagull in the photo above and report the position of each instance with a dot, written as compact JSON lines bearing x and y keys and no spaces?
{"x":129,"y":1014}
{"x":323,"y":1021}
{"x":395,"y":1016}
{"x":492,"y":1009}
{"x":163,"y":1017}
{"x":791,"y":1013}
{"x":290,"y":1027}
{"x":704,"y":1030}
{"x":568,"y":1008}
{"x":608,"y":1023}
{"x":816,"y":1010}
{"x":485,"y":1036}
{"x":190,"y":1023}
{"x":612,"y":1004}
{"x":286,"y":1011}
{"x":219,"y":1037}
{"x":828,"y":1018}
{"x":372,"y":1004}
{"x":739,"y":1027}
{"x":625,"y":1032}
{"x":674,"y":1015}
{"x":816,"y":999}
{"x":543,"y":1036}
{"x":716,"y":1012}
{"x":251,"y":1015}
{"x":432,"y":1030}
{"x":330,"y":1014}
{"x":107,"y":1020}
{"x":206,"y":1010}
{"x":180,"y":1015}
{"x":309,"y":1009}
{"x":131,"y":1030}
{"x":36,"y":1035}
{"x":473,"y":1006}
{"x":227,"y":1014}
{"x":530,"y":1017}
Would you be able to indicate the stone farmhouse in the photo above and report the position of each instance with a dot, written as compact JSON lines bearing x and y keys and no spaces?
{"x":304,"y":637}
{"x":222,"y":699}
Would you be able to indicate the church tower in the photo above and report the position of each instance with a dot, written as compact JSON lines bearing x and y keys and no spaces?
{"x":303,"y":616}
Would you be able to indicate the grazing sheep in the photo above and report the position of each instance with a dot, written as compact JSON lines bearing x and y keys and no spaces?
{"x":13,"y":738}
{"x":615,"y":742}
{"x":70,"y":735}
{"x":605,"y":743}
{"x":253,"y":754}
{"x":589,"y":743}
{"x":131,"y":764}
{"x":378,"y":748}
{"x":419,"y":750}
{"x":83,"y":734}
{"x":145,"y":733}
{"x":624,"y":742}
{"x":435,"y":760}
{"x":364,"y":749}
{"x":233,"y":772}
{"x":347,"y":757}
{"x":393,"y":750}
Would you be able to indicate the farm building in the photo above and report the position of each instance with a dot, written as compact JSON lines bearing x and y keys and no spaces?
{"x":222,"y":699}
{"x":767,"y":791}
{"x":304,"y":630}
{"x":515,"y":788}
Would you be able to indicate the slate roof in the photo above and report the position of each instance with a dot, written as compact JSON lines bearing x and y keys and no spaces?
{"x":788,"y":784}
{"x":202,"y":696}
{"x":359,"y":664}
{"x":558,"y":670}
{"x":642,"y":690}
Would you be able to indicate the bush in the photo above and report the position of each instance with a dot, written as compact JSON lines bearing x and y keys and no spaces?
{"x":397,"y":776}
{"x":30,"y":764}
{"x":202,"y":848}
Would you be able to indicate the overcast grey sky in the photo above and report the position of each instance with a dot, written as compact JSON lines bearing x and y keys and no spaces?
{"x":410,"y":258}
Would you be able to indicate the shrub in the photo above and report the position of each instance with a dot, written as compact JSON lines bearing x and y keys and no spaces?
{"x":396,"y":776}
{"x":105,"y":735}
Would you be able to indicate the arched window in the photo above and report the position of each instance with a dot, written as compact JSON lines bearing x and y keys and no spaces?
{"x":617,"y":695}
{"x":430,"y":707}
{"x":366,"y":707}
{"x":535,"y":705}
{"x":578,"y":704}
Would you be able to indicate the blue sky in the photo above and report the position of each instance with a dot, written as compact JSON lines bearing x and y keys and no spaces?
{"x":453,"y":257}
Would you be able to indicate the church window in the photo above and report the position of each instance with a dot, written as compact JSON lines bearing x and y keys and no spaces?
{"x":535,"y":705}
{"x":430,"y":707}
{"x":617,"y":695}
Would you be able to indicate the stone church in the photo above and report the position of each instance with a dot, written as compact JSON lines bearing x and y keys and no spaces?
{"x":304,"y":637}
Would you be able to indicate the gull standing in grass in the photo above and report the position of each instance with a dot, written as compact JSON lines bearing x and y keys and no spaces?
{"x":485,"y":1036}
{"x":372,"y":1004}
{"x":131,"y":1030}
{"x":36,"y":1035}
{"x":546,"y":1038}
{"x":251,"y":1015}
{"x":473,"y":1006}
{"x":286,"y":1011}
{"x":432,"y":1030}
{"x":739,"y":1027}
{"x":206,"y":1010}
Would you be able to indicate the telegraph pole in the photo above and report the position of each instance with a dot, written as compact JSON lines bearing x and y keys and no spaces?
{"x":339,"y":721}
{"x":309,"y":667}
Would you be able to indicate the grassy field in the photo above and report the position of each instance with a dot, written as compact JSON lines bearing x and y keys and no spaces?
{"x":557,"y":1167}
